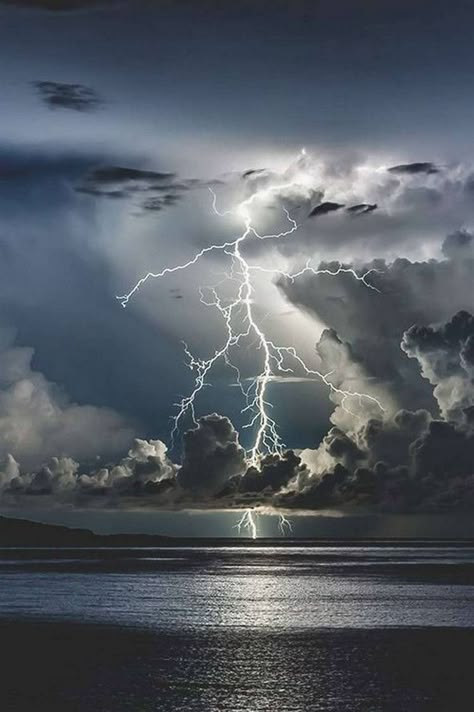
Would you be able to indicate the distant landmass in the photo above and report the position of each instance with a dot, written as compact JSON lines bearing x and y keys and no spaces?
{"x":25,"y":533}
{"x":22,"y":532}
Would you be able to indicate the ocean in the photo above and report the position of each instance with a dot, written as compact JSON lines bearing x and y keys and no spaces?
{"x":217,"y":629}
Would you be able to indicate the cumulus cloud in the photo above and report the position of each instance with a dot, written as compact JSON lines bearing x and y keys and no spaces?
{"x":411,"y":460}
{"x":368,"y":458}
{"x":273,"y":473}
{"x":412,"y":206}
{"x":214,"y":474}
{"x":212,"y":454}
{"x":373,"y":323}
{"x":390,"y":460}
{"x":61,"y":95}
{"x":146,"y":471}
{"x":401,"y":461}
{"x":38,"y":421}
{"x":446,"y":356}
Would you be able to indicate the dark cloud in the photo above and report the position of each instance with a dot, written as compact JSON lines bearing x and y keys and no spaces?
{"x":459,"y":245}
{"x":104,"y":176}
{"x":408,"y":461}
{"x":362,"y":208}
{"x":342,"y":449}
{"x":325,"y":208}
{"x":325,"y":492}
{"x":389,"y":441}
{"x":429,"y":468}
{"x":155,"y":190}
{"x":444,"y":452}
{"x":212,"y":455}
{"x":60,"y":95}
{"x":446,"y":356}
{"x":254,"y":172}
{"x":373,"y":323}
{"x":273,"y":473}
{"x":364,"y":460}
{"x":414,"y":168}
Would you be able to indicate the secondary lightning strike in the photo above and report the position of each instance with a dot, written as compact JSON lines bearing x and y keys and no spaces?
{"x":247,"y":521}
{"x":276,"y":359}
{"x":284,"y":525}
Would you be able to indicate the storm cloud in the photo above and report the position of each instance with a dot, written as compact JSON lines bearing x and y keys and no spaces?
{"x":92,"y":200}
{"x":401,"y":462}
{"x":446,"y":356}
{"x":325,"y":208}
{"x":212,"y":454}
{"x":155,"y":190}
{"x":373,"y":323}
{"x":60,"y":95}
{"x":414,"y":168}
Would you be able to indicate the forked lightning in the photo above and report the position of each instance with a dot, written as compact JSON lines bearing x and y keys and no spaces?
{"x":241,"y":324}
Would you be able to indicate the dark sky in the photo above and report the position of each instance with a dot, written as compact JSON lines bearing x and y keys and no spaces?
{"x":116,"y":119}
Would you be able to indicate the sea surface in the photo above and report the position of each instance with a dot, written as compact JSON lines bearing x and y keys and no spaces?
{"x":217,"y":629}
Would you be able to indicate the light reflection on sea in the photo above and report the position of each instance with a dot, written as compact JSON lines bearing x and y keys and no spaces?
{"x":281,"y":589}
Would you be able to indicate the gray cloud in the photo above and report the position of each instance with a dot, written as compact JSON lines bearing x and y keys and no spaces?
{"x":410,"y":460}
{"x":406,"y":461}
{"x":60,"y":95}
{"x":373,"y":323}
{"x":144,"y":473}
{"x":325,"y":208}
{"x":212,"y":455}
{"x":370,"y":461}
{"x":411,"y":208}
{"x":414,"y":168}
{"x":154,"y":190}
{"x":446,"y":356}
{"x":38,"y":421}
{"x":273,"y":473}
{"x":362,"y":208}
{"x":459,"y":245}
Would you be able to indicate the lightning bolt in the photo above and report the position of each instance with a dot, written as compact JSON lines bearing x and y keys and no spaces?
{"x":284,"y":525}
{"x":248,"y":521}
{"x":242,"y":324}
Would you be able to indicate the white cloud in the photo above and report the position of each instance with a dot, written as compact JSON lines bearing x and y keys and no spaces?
{"x":38,"y":421}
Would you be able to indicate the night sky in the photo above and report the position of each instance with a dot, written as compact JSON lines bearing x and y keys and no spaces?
{"x":119,"y":120}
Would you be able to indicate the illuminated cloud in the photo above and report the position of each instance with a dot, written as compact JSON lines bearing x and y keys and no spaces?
{"x":38,"y":420}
